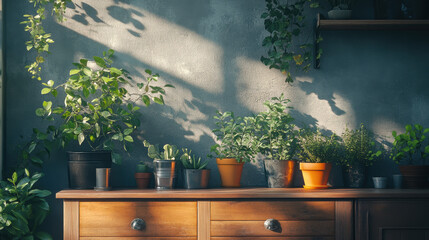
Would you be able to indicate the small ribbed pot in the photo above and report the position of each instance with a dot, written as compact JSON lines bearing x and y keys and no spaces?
{"x":196,"y":178}
{"x":354,"y":176}
{"x":279,"y":173}
{"x":165,"y":174}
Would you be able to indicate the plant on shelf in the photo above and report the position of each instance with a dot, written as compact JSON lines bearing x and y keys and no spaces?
{"x":341,"y":9}
{"x":277,"y":140}
{"x":317,"y":152}
{"x":97,"y":112}
{"x":195,"y":173}
{"x":411,"y":150}
{"x":142,"y":175}
{"x":359,"y":152}
{"x":285,"y":23}
{"x":236,"y":145}
{"x":22,"y":207}
{"x":164,"y":164}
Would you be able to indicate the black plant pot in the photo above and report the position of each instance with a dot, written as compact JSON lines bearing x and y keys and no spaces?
{"x":354,"y":176}
{"x":82,"y":167}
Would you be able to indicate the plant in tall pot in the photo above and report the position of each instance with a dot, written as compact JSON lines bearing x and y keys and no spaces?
{"x":97,"y":113}
{"x":411,"y":151}
{"x":195,"y":173}
{"x":317,"y":153}
{"x":359,"y":153}
{"x":235,"y":146}
{"x":165,"y":165}
{"x":277,"y":140}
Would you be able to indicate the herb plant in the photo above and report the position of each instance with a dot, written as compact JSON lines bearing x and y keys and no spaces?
{"x":317,"y":148}
{"x":170,"y":151}
{"x":142,"y":167}
{"x":97,"y":109}
{"x":275,"y":130}
{"x":22,"y":208}
{"x":235,"y":136}
{"x":411,"y":147}
{"x":284,"y":22}
{"x":190,"y":161}
{"x":359,"y":147}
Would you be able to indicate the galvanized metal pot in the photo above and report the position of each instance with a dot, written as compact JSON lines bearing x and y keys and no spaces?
{"x":279,"y":174}
{"x":165,"y":174}
{"x":196,"y":178}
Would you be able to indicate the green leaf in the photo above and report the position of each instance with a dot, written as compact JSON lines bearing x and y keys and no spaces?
{"x":14,"y":177}
{"x":74,"y":71}
{"x":128,"y":131}
{"x":169,"y":85}
{"x":115,"y":71}
{"x":50,"y":83}
{"x":84,"y":62}
{"x":99,"y":61}
{"x":47,"y":105}
{"x":40,"y":112}
{"x":85,"y":92}
{"x":40,"y":193}
{"x":146,"y":100}
{"x":106,"y":79}
{"x":87,"y":72}
{"x":81,"y":138}
{"x":128,"y":138}
{"x":105,"y":114}
{"x":97,"y":129}
{"x":45,"y":91}
{"x":43,"y":236}
{"x":159,"y":100}
{"x":32,"y":147}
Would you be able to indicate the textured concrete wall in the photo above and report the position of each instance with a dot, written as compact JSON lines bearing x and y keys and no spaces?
{"x":210,"y":50}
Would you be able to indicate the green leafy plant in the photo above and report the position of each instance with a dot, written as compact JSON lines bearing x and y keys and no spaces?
{"x":97,"y":109}
{"x":235,"y":136}
{"x":142,"y":167}
{"x":317,"y":148}
{"x":190,"y":161}
{"x":22,"y":208}
{"x":284,"y":20}
{"x":275,"y":132}
{"x":359,"y":147}
{"x":341,"y":4}
{"x":411,"y":147}
{"x":170,"y":151}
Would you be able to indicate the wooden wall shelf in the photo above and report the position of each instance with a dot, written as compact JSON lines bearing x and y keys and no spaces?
{"x":354,"y":24}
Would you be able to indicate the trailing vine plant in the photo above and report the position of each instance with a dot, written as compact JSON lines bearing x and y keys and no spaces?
{"x":39,"y":39}
{"x":285,"y":22}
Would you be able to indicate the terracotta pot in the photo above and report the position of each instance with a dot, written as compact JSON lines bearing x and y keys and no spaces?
{"x":315,"y":175}
{"x":142,"y":180}
{"x":279,"y":173}
{"x":230,"y":171}
{"x":414,"y":176}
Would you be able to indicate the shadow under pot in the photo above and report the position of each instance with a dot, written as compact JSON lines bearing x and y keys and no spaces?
{"x":354,"y":176}
{"x":196,"y":178}
{"x":230,"y":171}
{"x":165,"y":174}
{"x":279,"y":173}
{"x":414,"y":176}
{"x":82,"y":165}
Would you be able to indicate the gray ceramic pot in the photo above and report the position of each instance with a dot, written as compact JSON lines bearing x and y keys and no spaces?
{"x":279,"y":174}
{"x":354,"y":176}
{"x":196,"y":178}
{"x":165,"y":174}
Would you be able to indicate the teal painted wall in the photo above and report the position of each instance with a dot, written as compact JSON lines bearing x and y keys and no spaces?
{"x":210,"y":50}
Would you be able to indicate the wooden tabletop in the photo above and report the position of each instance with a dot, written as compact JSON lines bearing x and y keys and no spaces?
{"x":244,"y":193}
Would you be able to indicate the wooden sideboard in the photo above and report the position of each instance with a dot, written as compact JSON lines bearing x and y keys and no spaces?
{"x":240,"y":214}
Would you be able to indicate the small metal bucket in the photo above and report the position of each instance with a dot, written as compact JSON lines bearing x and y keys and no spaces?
{"x":165,"y":174}
{"x":196,"y":178}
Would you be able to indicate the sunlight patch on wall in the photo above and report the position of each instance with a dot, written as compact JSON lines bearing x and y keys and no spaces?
{"x":383,"y":127}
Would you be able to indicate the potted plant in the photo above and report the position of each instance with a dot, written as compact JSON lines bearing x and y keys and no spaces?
{"x":142,"y":175}
{"x":277,"y":141}
{"x":236,"y":145}
{"x":285,"y":21}
{"x":341,"y":9}
{"x":98,"y":113}
{"x":411,"y":150}
{"x":317,"y":152}
{"x":164,"y":165}
{"x":195,"y":173}
{"x":359,"y":153}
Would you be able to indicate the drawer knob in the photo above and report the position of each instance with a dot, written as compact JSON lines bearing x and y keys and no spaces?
{"x":273,"y":225}
{"x":138,"y":224}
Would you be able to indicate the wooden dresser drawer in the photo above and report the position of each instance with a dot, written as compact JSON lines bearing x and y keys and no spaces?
{"x":297,"y":219}
{"x":113,"y":219}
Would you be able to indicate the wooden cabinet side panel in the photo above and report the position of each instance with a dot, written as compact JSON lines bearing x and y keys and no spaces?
{"x":71,"y":220}
{"x":203,"y":220}
{"x":344,"y":220}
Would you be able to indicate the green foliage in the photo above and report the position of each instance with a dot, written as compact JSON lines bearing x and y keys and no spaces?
{"x":411,"y":147}
{"x":190,"y":161}
{"x":39,"y":39}
{"x":142,"y":167}
{"x":342,"y":4}
{"x":317,"y":148}
{"x":97,"y":109}
{"x":22,"y":208}
{"x":236,"y":137}
{"x":359,"y":147}
{"x":284,"y":22}
{"x":275,"y":130}
{"x":170,"y":151}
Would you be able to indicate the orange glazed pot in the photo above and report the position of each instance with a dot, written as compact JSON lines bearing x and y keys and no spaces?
{"x":315,"y":175}
{"x":230,"y":171}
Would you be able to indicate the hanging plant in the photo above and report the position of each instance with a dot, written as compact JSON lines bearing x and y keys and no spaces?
{"x":285,"y":22}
